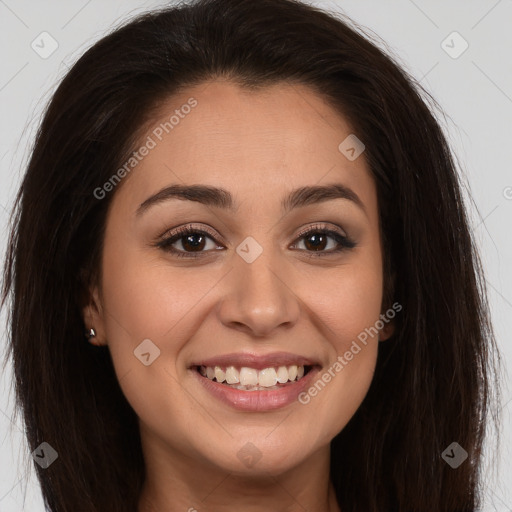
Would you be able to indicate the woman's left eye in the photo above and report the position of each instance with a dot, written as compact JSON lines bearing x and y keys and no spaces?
{"x":317,"y":240}
{"x":189,"y":242}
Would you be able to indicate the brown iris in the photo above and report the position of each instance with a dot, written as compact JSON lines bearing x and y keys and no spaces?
{"x":319,"y":241}
{"x":193,"y":242}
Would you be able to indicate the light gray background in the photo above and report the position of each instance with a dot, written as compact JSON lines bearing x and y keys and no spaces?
{"x":475,"y":90}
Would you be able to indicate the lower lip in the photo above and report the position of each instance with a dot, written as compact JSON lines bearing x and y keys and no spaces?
{"x":257,"y":401}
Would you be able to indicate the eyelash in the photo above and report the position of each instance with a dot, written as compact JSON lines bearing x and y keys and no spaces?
{"x":166,"y":243}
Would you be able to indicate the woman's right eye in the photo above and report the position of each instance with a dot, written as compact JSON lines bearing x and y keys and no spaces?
{"x":183,"y":240}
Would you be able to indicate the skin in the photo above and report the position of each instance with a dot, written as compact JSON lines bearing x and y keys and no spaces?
{"x":259,"y":146}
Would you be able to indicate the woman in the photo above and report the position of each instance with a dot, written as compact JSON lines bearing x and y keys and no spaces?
{"x":256,"y":220}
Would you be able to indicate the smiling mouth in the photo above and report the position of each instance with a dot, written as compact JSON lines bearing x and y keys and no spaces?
{"x":250,"y":379}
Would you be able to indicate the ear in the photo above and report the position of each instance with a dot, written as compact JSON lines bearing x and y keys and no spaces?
{"x":93,"y":316}
{"x":387,"y":331}
{"x":389,"y":291}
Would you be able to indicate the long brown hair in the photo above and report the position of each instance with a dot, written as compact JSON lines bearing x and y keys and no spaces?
{"x":434,"y":380}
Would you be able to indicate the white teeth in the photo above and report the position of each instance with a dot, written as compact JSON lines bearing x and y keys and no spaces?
{"x":282,"y":374}
{"x":252,"y":379}
{"x":220,"y":376}
{"x":248,"y":376}
{"x":254,"y":388}
{"x":232,"y":376}
{"x":267,"y":377}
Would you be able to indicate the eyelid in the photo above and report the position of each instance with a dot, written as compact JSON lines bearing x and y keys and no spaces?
{"x":319,"y":226}
{"x":192,"y":227}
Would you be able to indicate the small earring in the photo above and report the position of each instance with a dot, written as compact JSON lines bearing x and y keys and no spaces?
{"x":90,"y":334}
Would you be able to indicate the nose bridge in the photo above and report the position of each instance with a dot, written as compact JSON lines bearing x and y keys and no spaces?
{"x":258,"y":299}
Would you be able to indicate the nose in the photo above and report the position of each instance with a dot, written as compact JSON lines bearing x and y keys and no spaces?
{"x":258,"y":299}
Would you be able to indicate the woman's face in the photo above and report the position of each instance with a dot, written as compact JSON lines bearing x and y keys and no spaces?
{"x":246,"y":289}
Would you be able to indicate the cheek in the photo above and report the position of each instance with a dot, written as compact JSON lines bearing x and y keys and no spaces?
{"x":346,"y":299}
{"x":144,"y":301}
{"x":347,"y":304}
{"x":145,"y":297}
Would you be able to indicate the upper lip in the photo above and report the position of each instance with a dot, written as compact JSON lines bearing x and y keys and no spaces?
{"x":258,"y":362}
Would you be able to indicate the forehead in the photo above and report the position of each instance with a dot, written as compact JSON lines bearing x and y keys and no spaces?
{"x":250,"y":142}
